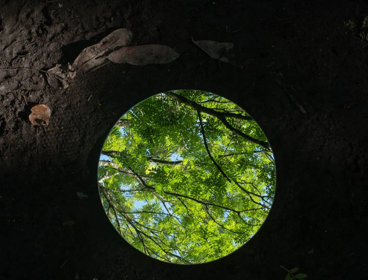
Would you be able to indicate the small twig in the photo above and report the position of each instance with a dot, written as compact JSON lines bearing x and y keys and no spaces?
{"x":61,"y":266}
{"x":25,"y":100}
{"x":280,"y":83}
{"x":293,"y":99}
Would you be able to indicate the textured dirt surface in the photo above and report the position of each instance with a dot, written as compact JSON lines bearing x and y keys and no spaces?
{"x":300,"y":72}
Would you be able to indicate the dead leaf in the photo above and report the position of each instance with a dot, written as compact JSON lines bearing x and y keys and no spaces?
{"x":216,"y":50}
{"x":68,"y":223}
{"x":112,"y":48}
{"x":144,"y":54}
{"x":57,"y":76}
{"x":40,"y":115}
{"x":81,"y":195}
{"x":95,"y":56}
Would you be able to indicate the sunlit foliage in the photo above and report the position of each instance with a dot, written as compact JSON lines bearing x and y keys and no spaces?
{"x":186,"y":176}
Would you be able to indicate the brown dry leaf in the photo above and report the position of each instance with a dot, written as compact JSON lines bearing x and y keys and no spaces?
{"x":40,"y":115}
{"x":95,"y":56}
{"x":216,"y":50}
{"x":57,"y":76}
{"x":144,"y":54}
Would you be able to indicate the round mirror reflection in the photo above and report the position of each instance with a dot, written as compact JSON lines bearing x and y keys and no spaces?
{"x":186,"y":176}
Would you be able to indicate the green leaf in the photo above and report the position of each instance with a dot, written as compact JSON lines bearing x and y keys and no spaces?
{"x":293,"y":270}
{"x":81,"y":195}
{"x":68,"y":223}
{"x":301,"y":276}
{"x":365,"y":22}
{"x":288,"y":277}
{"x":350,"y":24}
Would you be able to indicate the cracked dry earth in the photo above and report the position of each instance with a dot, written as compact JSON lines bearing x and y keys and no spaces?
{"x":295,"y":67}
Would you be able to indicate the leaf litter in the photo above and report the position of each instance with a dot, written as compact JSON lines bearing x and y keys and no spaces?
{"x":216,"y":50}
{"x":95,"y":56}
{"x":40,"y":115}
{"x":112,"y":48}
{"x":144,"y":54}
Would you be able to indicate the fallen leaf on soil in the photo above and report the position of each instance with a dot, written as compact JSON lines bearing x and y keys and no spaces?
{"x":57,"y":75}
{"x":144,"y":54}
{"x":68,"y":223}
{"x":81,"y":195}
{"x":40,"y":115}
{"x":112,"y":48}
{"x":216,"y":50}
{"x":95,"y":56}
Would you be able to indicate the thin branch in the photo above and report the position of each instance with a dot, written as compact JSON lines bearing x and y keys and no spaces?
{"x":242,"y":134}
{"x":113,"y":208}
{"x":250,"y":194}
{"x":138,"y":232}
{"x":230,"y":155}
{"x":110,"y":153}
{"x":156,"y":160}
{"x":221,"y":116}
{"x":206,"y":146}
{"x":214,"y":101}
{"x":186,"y":207}
{"x":245,"y":222}
{"x":253,"y":209}
{"x":219,"y":168}
{"x":124,"y":191}
{"x":165,"y":251}
{"x":142,"y":182}
{"x":148,"y":212}
{"x":114,"y":166}
{"x":152,"y":230}
{"x":107,"y":177}
{"x":221,"y":225}
{"x":204,"y":109}
{"x":202,"y":202}
{"x":123,"y":123}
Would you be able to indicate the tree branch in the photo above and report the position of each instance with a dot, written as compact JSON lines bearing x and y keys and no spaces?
{"x":164,"y":161}
{"x":221,"y":116}
{"x":242,"y":134}
{"x":221,"y":225}
{"x":113,"y":208}
{"x":142,"y":182}
{"x":206,"y":146}
{"x":219,"y":168}
{"x":204,"y":109}
{"x":151,"y":159}
{"x":123,"y":123}
{"x":115,"y":167}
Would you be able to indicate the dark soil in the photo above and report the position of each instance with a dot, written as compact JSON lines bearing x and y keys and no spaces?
{"x":301,"y":73}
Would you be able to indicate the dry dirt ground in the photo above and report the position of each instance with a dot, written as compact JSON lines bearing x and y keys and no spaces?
{"x":296,"y":67}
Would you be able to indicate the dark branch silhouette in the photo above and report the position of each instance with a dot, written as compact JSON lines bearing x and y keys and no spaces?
{"x":221,"y":116}
{"x":207,"y":149}
{"x":156,"y":160}
{"x":204,"y":109}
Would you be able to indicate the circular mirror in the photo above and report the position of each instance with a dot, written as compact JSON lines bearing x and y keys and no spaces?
{"x":186,"y":176}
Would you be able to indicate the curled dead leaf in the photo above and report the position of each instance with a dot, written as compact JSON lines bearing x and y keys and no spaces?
{"x":112,"y":48}
{"x":95,"y":56}
{"x":57,"y":76}
{"x":144,"y":54}
{"x":216,"y":50}
{"x":40,"y":115}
